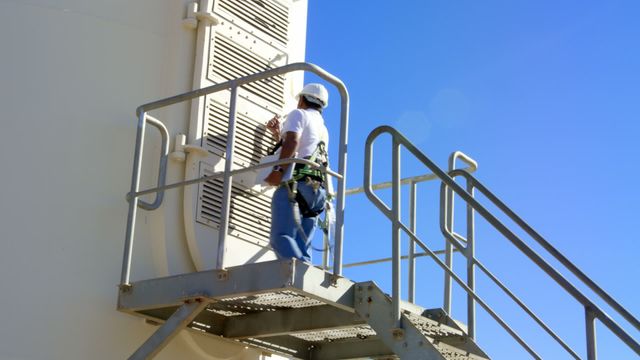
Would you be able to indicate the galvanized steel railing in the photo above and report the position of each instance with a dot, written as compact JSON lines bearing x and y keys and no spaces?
{"x":143,"y":118}
{"x":466,"y":247}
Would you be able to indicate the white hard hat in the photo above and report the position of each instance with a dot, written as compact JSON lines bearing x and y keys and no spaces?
{"x":316,"y":93}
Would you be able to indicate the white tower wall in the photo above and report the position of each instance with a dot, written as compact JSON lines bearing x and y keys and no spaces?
{"x":71,"y":75}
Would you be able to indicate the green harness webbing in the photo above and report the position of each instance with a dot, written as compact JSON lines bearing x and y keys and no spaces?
{"x":306,"y":170}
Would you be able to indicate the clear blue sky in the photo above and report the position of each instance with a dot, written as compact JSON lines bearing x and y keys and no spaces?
{"x":544,"y":95}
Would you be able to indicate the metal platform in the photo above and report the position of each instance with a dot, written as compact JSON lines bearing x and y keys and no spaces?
{"x":289,"y":308}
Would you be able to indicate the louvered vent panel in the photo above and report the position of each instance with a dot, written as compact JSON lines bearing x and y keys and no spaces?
{"x":252,"y":140}
{"x":267,"y":16}
{"x":250,"y":216}
{"x":232,"y":61}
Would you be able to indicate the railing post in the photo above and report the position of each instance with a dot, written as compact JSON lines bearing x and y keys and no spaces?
{"x":133,"y":202}
{"x":412,"y":243}
{"x":590,"y":318}
{"x":228,"y":179}
{"x":396,"y":250}
{"x":342,"y":184}
{"x":448,"y":252}
{"x":325,"y":252}
{"x":470,"y":254}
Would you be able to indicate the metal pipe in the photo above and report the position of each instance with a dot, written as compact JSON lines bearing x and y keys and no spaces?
{"x":405,"y":181}
{"x":344,"y":126}
{"x":342,"y":185}
{"x":125,"y":274}
{"x":471,"y":278}
{"x":162,"y":169}
{"x":515,"y":240}
{"x":452,"y":237}
{"x":449,"y":210}
{"x":300,"y":66}
{"x":526,"y":309}
{"x":233,"y":172}
{"x":479,"y":300}
{"x":395,"y":234}
{"x":325,"y":252}
{"x":484,"y":305}
{"x":412,"y":245}
{"x":473,"y":165}
{"x":404,"y":257}
{"x":590,"y":319}
{"x":225,"y":212}
{"x":553,"y":251}
{"x":543,"y":265}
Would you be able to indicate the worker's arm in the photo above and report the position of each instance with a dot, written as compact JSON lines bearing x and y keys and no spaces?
{"x":289,"y":148}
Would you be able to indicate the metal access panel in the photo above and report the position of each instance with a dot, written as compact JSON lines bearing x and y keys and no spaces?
{"x":250,"y":36}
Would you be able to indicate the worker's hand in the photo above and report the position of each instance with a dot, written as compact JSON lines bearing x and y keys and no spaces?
{"x":274,"y":178}
{"x":273,"y":126}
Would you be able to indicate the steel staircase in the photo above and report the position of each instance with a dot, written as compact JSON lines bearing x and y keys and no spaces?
{"x":308,"y":312}
{"x":296,"y":310}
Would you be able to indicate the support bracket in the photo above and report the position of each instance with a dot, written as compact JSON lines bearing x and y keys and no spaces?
{"x":179,"y":320}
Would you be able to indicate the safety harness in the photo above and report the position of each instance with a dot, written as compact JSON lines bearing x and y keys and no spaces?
{"x":313,"y":176}
{"x":316,"y":178}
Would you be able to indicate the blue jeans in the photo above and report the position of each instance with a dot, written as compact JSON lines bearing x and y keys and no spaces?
{"x":286,"y":238}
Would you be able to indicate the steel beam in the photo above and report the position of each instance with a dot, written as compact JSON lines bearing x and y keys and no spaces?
{"x":407,"y":342}
{"x":181,"y":318}
{"x":277,"y":275}
{"x":289,"y":321}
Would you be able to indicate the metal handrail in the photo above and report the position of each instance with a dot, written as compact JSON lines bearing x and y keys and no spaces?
{"x":394,"y":215}
{"x":141,"y":111}
{"x":453,"y":238}
{"x":591,"y":310}
{"x":413,"y":181}
{"x":162,"y":168}
{"x":590,"y":307}
{"x":547,"y":246}
{"x":217,"y":175}
{"x":453,"y":158}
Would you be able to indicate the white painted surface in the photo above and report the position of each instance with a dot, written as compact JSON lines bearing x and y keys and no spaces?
{"x":71,"y":75}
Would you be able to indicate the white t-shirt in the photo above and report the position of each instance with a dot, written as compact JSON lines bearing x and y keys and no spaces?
{"x":309,"y":124}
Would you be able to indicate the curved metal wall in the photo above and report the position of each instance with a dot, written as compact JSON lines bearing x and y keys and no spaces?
{"x":72,"y":74}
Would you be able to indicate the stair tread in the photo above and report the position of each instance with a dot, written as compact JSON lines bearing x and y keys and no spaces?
{"x":355,"y":332}
{"x":453,"y":353}
{"x":432,"y":328}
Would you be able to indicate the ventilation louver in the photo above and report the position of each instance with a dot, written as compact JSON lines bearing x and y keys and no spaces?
{"x":250,"y":212}
{"x":267,"y":16}
{"x":252,"y":139}
{"x":231,"y":61}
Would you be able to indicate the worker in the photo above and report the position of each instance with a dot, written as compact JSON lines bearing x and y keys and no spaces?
{"x":298,"y":201}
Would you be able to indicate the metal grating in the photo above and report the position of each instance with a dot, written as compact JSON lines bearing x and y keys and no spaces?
{"x":250,"y":212}
{"x":270,"y":346}
{"x":267,"y":16}
{"x":231,"y":61}
{"x":452,"y":353}
{"x":252,"y":140}
{"x":270,"y":301}
{"x":431,"y":328}
{"x":359,"y":332}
